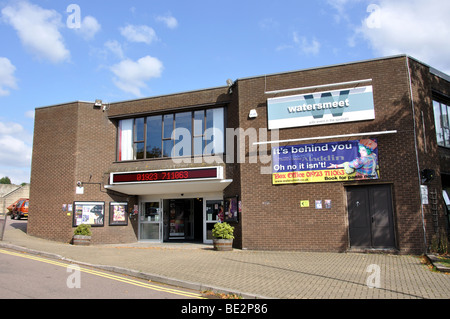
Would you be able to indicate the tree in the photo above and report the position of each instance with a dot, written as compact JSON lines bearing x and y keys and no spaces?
{"x":5,"y":180}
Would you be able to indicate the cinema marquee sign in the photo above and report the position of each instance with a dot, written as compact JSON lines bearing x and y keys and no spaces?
{"x":345,"y":105}
{"x":187,"y":174}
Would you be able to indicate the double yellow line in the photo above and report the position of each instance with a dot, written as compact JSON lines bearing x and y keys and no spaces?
{"x":107,"y":275}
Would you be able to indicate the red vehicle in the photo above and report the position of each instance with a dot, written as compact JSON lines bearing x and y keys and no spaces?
{"x":20,"y":209}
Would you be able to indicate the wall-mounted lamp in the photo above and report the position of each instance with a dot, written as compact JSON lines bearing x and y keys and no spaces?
{"x":427,"y":175}
{"x":253,"y":114}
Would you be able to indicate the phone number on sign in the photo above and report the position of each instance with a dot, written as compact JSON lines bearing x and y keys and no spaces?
{"x":162,"y":176}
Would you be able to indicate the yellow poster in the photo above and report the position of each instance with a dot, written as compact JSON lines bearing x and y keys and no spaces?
{"x":304,"y":203}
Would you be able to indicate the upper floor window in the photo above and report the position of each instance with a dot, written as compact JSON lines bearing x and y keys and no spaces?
{"x":189,"y":133}
{"x":442,"y":123}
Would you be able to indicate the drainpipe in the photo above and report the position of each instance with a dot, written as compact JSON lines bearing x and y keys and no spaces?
{"x":417,"y":152}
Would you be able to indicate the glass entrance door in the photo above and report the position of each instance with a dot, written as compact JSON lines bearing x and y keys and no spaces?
{"x":150,"y":218}
{"x":183,"y":219}
{"x":214,"y":214}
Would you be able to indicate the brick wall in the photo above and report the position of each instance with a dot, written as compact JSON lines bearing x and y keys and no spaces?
{"x":272,"y":217}
{"x":72,"y":142}
{"x":77,"y":142}
{"x":53,"y":171}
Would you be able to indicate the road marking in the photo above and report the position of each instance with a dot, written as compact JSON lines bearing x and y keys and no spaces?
{"x":107,"y":275}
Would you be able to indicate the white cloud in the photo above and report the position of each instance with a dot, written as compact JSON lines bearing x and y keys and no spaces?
{"x":306,"y":47}
{"x":415,"y":27}
{"x":15,"y":157}
{"x":7,"y":79}
{"x":131,"y":76}
{"x":29,"y":114}
{"x":15,"y":144}
{"x":168,"y":20}
{"x":115,"y":47}
{"x":268,"y":24}
{"x":38,"y":29}
{"x":302,"y":45}
{"x":89,"y":27}
{"x":341,"y":6}
{"x":139,"y":33}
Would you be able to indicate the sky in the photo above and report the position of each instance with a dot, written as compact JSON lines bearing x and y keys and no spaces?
{"x":57,"y":51}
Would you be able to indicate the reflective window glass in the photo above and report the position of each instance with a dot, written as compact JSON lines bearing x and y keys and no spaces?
{"x":154,"y":136}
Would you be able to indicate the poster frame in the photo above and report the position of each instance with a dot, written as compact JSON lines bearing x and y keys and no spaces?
{"x":112,"y":221}
{"x":231,"y":209}
{"x":86,"y":203}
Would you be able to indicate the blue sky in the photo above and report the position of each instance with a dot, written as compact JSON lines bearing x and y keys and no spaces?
{"x":56,"y":51}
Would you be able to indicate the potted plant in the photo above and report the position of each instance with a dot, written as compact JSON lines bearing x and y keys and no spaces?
{"x":82,"y":235}
{"x":223,"y":236}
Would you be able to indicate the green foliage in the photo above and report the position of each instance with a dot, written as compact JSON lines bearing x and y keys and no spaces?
{"x":5,"y":180}
{"x":223,"y":230}
{"x":83,"y":229}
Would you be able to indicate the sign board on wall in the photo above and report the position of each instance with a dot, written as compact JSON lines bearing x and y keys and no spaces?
{"x":346,"y":105}
{"x":91,"y":213}
{"x":325,"y":162}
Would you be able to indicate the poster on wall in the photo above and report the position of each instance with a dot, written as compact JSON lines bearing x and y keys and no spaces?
{"x":325,"y":162}
{"x":346,"y":105}
{"x":118,"y":213}
{"x":231,"y":209}
{"x":91,"y":213}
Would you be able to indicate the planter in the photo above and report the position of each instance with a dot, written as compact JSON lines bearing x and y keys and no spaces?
{"x":81,"y":240}
{"x":223,"y":244}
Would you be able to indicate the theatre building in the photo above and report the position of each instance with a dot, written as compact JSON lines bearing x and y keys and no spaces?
{"x":347,"y":157}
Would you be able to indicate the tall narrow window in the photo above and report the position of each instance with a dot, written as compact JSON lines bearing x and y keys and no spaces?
{"x":215,"y":133}
{"x":198,"y":132}
{"x":167,"y":135}
{"x":183,"y":134}
{"x":442,"y":123}
{"x":139,"y":142}
{"x":445,"y":123}
{"x":154,"y":136}
{"x":125,"y":140}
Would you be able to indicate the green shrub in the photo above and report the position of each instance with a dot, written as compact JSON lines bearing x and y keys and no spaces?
{"x":83,"y":229}
{"x":223,"y":231}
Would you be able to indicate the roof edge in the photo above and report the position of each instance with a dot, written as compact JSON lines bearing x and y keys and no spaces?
{"x":326,"y":66}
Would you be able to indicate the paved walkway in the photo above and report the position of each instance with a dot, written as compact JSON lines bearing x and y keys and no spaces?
{"x":253,"y":274}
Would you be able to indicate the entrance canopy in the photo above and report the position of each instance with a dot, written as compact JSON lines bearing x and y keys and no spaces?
{"x":172,"y":187}
{"x":178,"y":181}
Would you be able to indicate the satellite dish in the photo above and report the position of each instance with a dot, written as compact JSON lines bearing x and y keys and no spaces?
{"x":229,"y":82}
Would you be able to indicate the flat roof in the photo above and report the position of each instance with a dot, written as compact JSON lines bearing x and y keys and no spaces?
{"x":64,"y":103}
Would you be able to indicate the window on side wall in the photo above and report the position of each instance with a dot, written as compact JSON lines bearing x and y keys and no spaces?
{"x":192,"y":133}
{"x":442,"y":123}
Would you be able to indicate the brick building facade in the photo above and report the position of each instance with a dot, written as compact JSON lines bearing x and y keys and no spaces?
{"x":104,"y":156}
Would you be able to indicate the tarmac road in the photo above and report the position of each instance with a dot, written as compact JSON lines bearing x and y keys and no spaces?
{"x":25,"y":276}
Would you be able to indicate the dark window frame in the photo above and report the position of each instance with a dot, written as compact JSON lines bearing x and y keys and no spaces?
{"x":145,"y":141}
{"x":438,"y":118}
